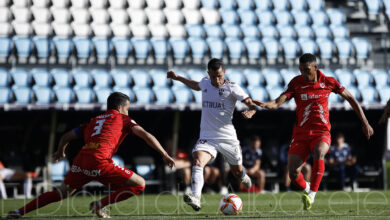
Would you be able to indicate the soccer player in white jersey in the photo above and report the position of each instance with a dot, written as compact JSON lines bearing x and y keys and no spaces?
{"x":217,"y":133}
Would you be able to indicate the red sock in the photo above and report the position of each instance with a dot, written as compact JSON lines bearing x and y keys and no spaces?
{"x":40,"y":201}
{"x":316,"y":174}
{"x":121,"y":194}
{"x":300,"y":182}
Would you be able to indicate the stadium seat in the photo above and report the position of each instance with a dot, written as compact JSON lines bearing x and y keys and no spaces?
{"x":141,"y":47}
{"x":363,"y":47}
{"x":23,"y":45}
{"x":173,"y":4}
{"x":283,"y":17}
{"x":322,"y":32}
{"x":250,"y":31}
{"x":315,"y":5}
{"x":235,"y":75}
{"x":102,"y":78}
{"x":164,"y":95}
{"x":83,"y":47}
{"x":227,"y":4}
{"x":21,"y":14}
{"x":364,"y":78}
{"x":229,"y":16}
{"x":196,"y":74}
{"x":5,"y":14}
{"x":192,"y":16}
{"x":141,"y":78}
{"x":214,"y":31}
{"x":43,"y":95}
{"x":344,"y":47}
{"x":60,"y":15}
{"x":175,"y":16}
{"x":339,"y":31}
{"x":6,"y":29}
{"x":21,"y":77}
{"x":330,"y":73}
{"x":62,"y":78}
{"x":254,"y":77}
{"x":336,"y":16}
{"x":266,"y":17}
{"x":41,"y":77}
{"x":42,"y":29}
{"x":345,"y":77}
{"x":209,"y":3}
{"x":301,"y":17}
{"x":263,"y":5}
{"x":177,"y":84}
{"x":155,"y":4}
{"x":319,"y":18}
{"x":288,"y":75}
{"x":144,"y":95}
{"x":191,"y":4}
{"x":373,"y":6}
{"x":158,"y":31}
{"x":305,"y":32}
{"x":179,"y":48}
{"x":268,"y":31}
{"x":59,"y":170}
{"x":369,"y":95}
{"x":122,"y":47}
{"x":254,"y":48}
{"x":125,"y":90}
{"x":247,"y":17}
{"x":281,"y":4}
{"x":118,"y":15}
{"x":271,"y":48}
{"x":245,"y":4}
{"x":102,"y":94}
{"x":326,"y":47}
{"x":217,"y":47}
{"x":82,"y":78}
{"x":195,"y":30}
{"x":102,"y":47}
{"x":298,"y":5}
{"x":121,"y":77}
{"x":274,"y":92}
{"x":22,"y":29}
{"x":5,"y":47}
{"x":23,"y":95}
{"x":5,"y":95}
{"x":291,"y":48}
{"x":98,"y":4}
{"x":155,"y":16}
{"x":176,"y":31}
{"x":160,"y":48}
{"x":384,"y":94}
{"x":136,"y":3}
{"x":120,"y":30}
{"x":232,"y":31}
{"x":183,"y":95}
{"x":159,"y":77}
{"x":258,"y":93}
{"x":272,"y":77}
{"x":117,"y":4}
{"x":235,"y":47}
{"x":64,"y":47}
{"x":287,"y":31}
{"x":137,"y":16}
{"x":5,"y":77}
{"x":334,"y":98}
{"x":84,"y":95}
{"x":43,"y":46}
{"x":198,"y":47}
{"x":381,"y":77}
{"x":308,"y":45}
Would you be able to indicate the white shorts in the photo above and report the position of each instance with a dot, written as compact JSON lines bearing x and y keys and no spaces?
{"x":229,"y":148}
{"x":6,"y":173}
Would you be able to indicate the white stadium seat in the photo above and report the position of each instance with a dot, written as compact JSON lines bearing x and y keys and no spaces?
{"x":100,"y":16}
{"x":98,"y":4}
{"x":155,"y":16}
{"x":173,"y":4}
{"x":23,"y":29}
{"x":155,"y":4}
{"x":117,"y":4}
{"x":210,"y":16}
{"x":41,"y":15}
{"x":79,"y":3}
{"x":137,"y":16}
{"x":60,"y":15}
{"x":158,"y":31}
{"x":81,"y":30}
{"x":62,"y":29}
{"x":174,"y":16}
{"x":21,"y":3}
{"x":5,"y":14}
{"x":60,"y":3}
{"x":101,"y":30}
{"x":5,"y":29}
{"x":136,"y":4}
{"x":80,"y":15}
{"x":42,"y":29}
{"x":40,"y":3}
{"x":120,"y":30}
{"x":176,"y":31}
{"x":21,"y":14}
{"x":118,"y":16}
{"x":141,"y":31}
{"x":4,"y":3}
{"x":192,"y":16}
{"x":191,"y":4}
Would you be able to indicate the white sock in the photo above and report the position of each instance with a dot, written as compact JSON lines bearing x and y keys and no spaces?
{"x":2,"y":190}
{"x":307,"y":189}
{"x":312,"y":194}
{"x":197,"y":181}
{"x":27,"y":186}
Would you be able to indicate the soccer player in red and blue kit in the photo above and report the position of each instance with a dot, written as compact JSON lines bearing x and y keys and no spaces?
{"x":102,"y":137}
{"x":311,"y":133}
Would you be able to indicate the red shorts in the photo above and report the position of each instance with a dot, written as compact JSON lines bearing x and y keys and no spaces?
{"x":87,"y":168}
{"x":303,"y":142}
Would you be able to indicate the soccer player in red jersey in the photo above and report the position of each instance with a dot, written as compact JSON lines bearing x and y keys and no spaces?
{"x":311,"y":133}
{"x":102,"y":137}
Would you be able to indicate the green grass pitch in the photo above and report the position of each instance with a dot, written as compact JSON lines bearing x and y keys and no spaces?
{"x":328,"y":205}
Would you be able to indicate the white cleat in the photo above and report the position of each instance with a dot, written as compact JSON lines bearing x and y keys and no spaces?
{"x":96,"y":208}
{"x":246,"y":181}
{"x":192,"y":201}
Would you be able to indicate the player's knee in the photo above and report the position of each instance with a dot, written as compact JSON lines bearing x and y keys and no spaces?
{"x":237,"y":173}
{"x":141,"y":182}
{"x":198,"y":162}
{"x":293,"y":173}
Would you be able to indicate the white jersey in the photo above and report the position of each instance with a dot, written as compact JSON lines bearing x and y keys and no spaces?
{"x":217,"y":109}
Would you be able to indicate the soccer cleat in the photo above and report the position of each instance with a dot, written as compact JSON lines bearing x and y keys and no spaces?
{"x":96,"y":208}
{"x":307,"y":201}
{"x":14,"y":214}
{"x":192,"y":201}
{"x":246,"y":181}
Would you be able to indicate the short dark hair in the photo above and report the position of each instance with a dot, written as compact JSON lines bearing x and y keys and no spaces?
{"x":214,"y":64}
{"x":115,"y":99}
{"x":307,"y":57}
{"x":255,"y":137}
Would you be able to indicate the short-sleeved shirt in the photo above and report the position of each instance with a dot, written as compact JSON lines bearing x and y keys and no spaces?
{"x":249,"y":157}
{"x":217,"y":109}
{"x":340,"y":155}
{"x":104,"y":133}
{"x":311,"y":98}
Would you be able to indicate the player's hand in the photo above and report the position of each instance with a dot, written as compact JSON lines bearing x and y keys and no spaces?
{"x":172,"y":75}
{"x":367,"y":130}
{"x":247,"y":114}
{"x":169,"y":161}
{"x":259,"y":103}
{"x":58,"y":156}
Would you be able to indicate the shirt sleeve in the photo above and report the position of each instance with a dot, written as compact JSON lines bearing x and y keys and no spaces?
{"x":238,"y":92}
{"x":290,"y":91}
{"x":259,"y":153}
{"x":129,"y":123}
{"x":201,"y":84}
{"x":80,"y":130}
{"x":336,"y":86}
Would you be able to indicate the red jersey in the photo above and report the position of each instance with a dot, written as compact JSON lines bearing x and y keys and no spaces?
{"x":104,"y":133}
{"x":311,"y":99}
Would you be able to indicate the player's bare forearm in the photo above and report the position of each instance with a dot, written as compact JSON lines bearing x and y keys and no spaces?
{"x":63,"y":144}
{"x":188,"y":82}
{"x":273,"y":104}
{"x":252,"y":108}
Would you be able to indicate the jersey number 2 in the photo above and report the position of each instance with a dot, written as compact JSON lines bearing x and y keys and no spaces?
{"x":98,"y":127}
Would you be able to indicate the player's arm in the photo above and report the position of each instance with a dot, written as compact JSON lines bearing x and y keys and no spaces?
{"x":252,"y":108}
{"x":386,"y":113}
{"x":255,"y":167}
{"x":64,"y":142}
{"x":153,"y":142}
{"x":188,"y":82}
{"x":274,"y":104}
{"x":367,"y":129}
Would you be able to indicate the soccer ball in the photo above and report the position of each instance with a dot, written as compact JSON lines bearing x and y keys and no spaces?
{"x":230,"y":204}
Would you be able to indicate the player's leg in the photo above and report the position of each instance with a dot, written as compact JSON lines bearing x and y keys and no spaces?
{"x":3,"y":191}
{"x":319,"y":152}
{"x":20,"y":175}
{"x":295,"y":164}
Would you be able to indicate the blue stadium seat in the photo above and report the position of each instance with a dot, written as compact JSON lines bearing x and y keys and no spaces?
{"x":283,"y":17}
{"x":369,"y":95}
{"x":363,"y":47}
{"x":84,"y":95}
{"x":209,"y":3}
{"x":288,"y":75}
{"x":122,"y":47}
{"x":183,"y":95}
{"x":268,"y":31}
{"x":290,"y":47}
{"x":337,"y":17}
{"x":160,"y":48}
{"x":326,"y":48}
{"x":254,"y":77}
{"x":271,"y":48}
{"x":197,"y":97}
{"x":316,"y":5}
{"x":250,"y":31}
{"x":195,"y":30}
{"x":213,"y":30}
{"x":82,"y":78}
{"x":340,"y":31}
{"x":381,"y":77}
{"x":344,"y":47}
{"x":304,"y":31}
{"x":140,"y":77}
{"x":245,"y":4}
{"x":141,"y":47}
{"x":235,"y":47}
{"x":247,"y":17}
{"x":232,"y":31}
{"x":83,"y":47}
{"x":227,"y":4}
{"x":125,"y":90}
{"x":164,"y":95}
{"x":144,"y":95}
{"x":281,"y":4}
{"x":41,"y":77}
{"x":254,"y":48}
{"x":330,"y":73}
{"x":64,"y":47}
{"x":263,"y":5}
{"x":322,"y":32}
{"x":159,"y":77}
{"x":301,"y":18}
{"x":308,"y":45}
{"x":196,"y":74}
{"x":5,"y":77}
{"x":287,"y":31}
{"x":298,"y":5}
{"x":384,"y":94}
{"x":198,"y":47}
{"x":44,"y":95}
{"x":364,"y":78}
{"x":373,"y":6}
{"x":258,"y":93}
{"x":272,"y":77}
{"x":345,"y":77}
{"x":43,"y":46}
{"x":217,"y":47}
{"x":229,"y":16}
{"x":64,"y":95}
{"x":118,"y":161}
{"x":5,"y":95}
{"x":102,"y":94}
{"x":23,"y":94}
{"x":102,"y":78}
{"x":5,"y":46}
{"x":179,"y":48}
{"x":266,"y":17}
{"x":62,"y":78}
{"x":24,"y":46}
{"x":102,"y":47}
{"x":121,"y":77}
{"x":236,"y":76}
{"x":177,"y":84}
{"x":334,"y":98}
{"x":319,"y":18}
{"x":274,"y":92}
{"x":59,"y":170}
{"x":21,"y":77}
